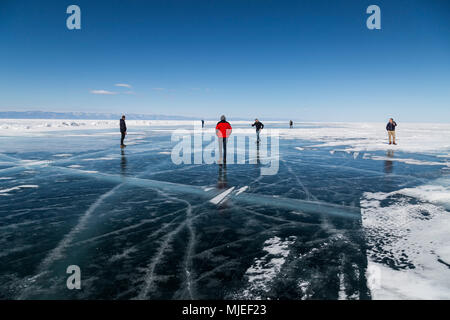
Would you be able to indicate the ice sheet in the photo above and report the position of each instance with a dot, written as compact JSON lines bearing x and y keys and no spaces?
{"x":343,"y":208}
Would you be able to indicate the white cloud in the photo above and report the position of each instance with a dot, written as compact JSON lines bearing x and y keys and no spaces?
{"x":125,"y":85}
{"x":130,"y":92}
{"x":104,"y":92}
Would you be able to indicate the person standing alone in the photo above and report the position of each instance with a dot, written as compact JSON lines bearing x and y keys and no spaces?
{"x":390,"y":127}
{"x":259,"y":126}
{"x":123,"y":131}
{"x":223,"y":131}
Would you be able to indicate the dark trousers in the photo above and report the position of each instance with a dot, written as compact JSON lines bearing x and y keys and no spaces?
{"x":122,"y":138}
{"x":223,"y":148}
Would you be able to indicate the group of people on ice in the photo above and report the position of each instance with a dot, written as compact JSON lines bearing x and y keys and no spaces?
{"x":224,"y":129}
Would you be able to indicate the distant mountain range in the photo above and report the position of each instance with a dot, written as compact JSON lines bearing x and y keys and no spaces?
{"x":85,"y":116}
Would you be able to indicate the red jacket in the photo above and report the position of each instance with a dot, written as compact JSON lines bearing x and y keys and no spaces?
{"x":224,"y":129}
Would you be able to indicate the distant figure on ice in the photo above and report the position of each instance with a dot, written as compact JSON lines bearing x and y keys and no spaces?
{"x":259,"y":126}
{"x":223,"y":131}
{"x":390,"y":127}
{"x":203,"y":123}
{"x":291,"y":124}
{"x":123,"y":131}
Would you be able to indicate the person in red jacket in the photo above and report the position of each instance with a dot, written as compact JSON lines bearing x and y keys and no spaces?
{"x":223,"y":131}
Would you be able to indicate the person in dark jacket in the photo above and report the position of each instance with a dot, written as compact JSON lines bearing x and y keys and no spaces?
{"x":123,"y":131}
{"x":259,"y":126}
{"x":390,"y":127}
{"x":203,"y":123}
{"x":223,"y":131}
{"x":291,"y":124}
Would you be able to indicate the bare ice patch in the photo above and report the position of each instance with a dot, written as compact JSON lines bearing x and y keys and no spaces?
{"x":263,"y":270}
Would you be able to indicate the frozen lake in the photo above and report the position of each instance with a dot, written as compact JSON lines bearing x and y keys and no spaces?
{"x":346,"y":217}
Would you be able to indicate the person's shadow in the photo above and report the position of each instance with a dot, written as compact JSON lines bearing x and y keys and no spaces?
{"x":389,"y":164}
{"x":123,"y":163}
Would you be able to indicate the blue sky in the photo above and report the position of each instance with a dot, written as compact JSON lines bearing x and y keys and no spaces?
{"x":305,"y":60}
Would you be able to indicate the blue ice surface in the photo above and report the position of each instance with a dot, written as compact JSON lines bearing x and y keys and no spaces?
{"x":141,"y":227}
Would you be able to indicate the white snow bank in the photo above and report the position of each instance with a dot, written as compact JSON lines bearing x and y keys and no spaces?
{"x":434,"y":193}
{"x":388,"y":284}
{"x":408,"y":242}
{"x":360,"y":137}
{"x":355,"y":137}
{"x":19,"y":127}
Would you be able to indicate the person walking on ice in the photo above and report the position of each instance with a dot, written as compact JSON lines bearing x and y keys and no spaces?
{"x":390,"y":127}
{"x":291,"y":124}
{"x":123,"y":131}
{"x":259,"y":126}
{"x":223,"y":131}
